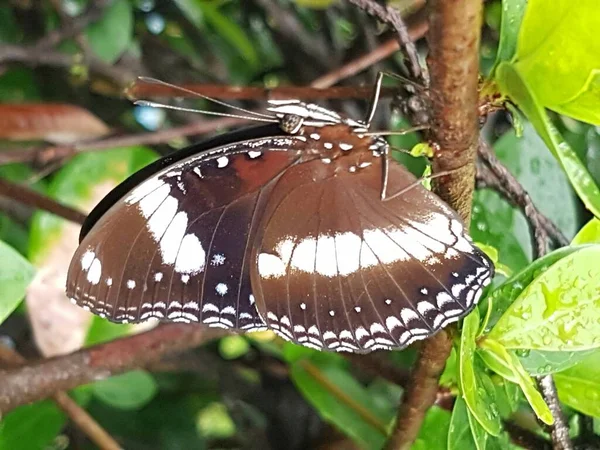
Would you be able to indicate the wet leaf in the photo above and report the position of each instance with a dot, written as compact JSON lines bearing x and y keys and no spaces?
{"x":558,"y":56}
{"x":539,"y":362}
{"x":559,"y":310}
{"x":528,"y":159}
{"x":471,"y":384}
{"x":513,"y":84}
{"x":521,"y":377}
{"x":507,"y":293}
{"x":15,"y":275}
{"x":579,"y":386}
{"x":58,"y":123}
{"x":131,"y":390}
{"x":112,"y":34}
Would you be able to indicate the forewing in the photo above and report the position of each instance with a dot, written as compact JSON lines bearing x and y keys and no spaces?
{"x":354,"y":273}
{"x":176,"y":247}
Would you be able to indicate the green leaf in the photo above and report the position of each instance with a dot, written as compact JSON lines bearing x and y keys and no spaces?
{"x":539,"y":362}
{"x":579,"y":386}
{"x":514,"y":86}
{"x":344,"y":402}
{"x":589,"y":234}
{"x":521,"y":377}
{"x":505,"y":295}
{"x":112,"y":34}
{"x":101,"y":330}
{"x":492,"y":223}
{"x":31,"y":426}
{"x":201,"y":12}
{"x":434,"y":431}
{"x":558,"y":56}
{"x":215,"y":422}
{"x":472,"y":387}
{"x":528,"y":159}
{"x":131,"y":390}
{"x":15,"y":275}
{"x":233,"y":347}
{"x":559,"y":310}
{"x":512,"y":16}
{"x":460,"y":436}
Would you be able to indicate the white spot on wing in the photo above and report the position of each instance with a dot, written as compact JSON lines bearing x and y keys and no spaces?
{"x":87,"y":259}
{"x":222,"y":162}
{"x":171,"y":241}
{"x":270,"y":266}
{"x":95,"y":272}
{"x":191,"y":256}
{"x":221,"y":289}
{"x":130,"y":284}
{"x":149,"y":204}
{"x":162,"y":217}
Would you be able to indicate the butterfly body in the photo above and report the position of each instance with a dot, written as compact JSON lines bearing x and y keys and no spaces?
{"x":284,"y":231}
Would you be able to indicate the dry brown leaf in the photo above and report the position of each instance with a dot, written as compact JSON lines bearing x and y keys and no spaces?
{"x":58,"y":326}
{"x":57,"y":123}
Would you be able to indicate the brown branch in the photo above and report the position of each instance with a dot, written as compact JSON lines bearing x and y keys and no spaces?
{"x":44,"y":155}
{"x":421,"y":392}
{"x":559,"y":430}
{"x":35,"y":56}
{"x":30,"y":197}
{"x":40,"y":380}
{"x":454,"y":31}
{"x":391,"y":16}
{"x":85,"y":422}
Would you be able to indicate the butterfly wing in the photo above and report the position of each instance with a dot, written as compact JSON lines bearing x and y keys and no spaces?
{"x":356,"y":273}
{"x":176,"y":246}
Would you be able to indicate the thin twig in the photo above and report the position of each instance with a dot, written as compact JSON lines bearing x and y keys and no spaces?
{"x":508,"y":185}
{"x":357,"y":65}
{"x":40,"y":380}
{"x":28,"y":196}
{"x":76,"y":413}
{"x":391,"y":16}
{"x":559,"y":430}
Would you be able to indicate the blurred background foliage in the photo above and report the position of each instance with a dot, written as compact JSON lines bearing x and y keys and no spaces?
{"x":242,"y":391}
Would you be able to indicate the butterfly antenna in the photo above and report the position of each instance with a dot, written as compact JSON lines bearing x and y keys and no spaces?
{"x":197,"y":94}
{"x":397,"y":132}
{"x":202,"y":111}
{"x":419,"y":181}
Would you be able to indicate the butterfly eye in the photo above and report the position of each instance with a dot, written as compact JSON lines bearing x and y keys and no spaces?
{"x":291,"y":123}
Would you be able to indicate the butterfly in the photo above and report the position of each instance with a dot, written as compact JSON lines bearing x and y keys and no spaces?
{"x":304,"y":226}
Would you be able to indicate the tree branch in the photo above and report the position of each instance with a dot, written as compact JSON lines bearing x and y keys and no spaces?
{"x":40,"y":380}
{"x":28,"y":196}
{"x":391,"y":16}
{"x":454,"y":30}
